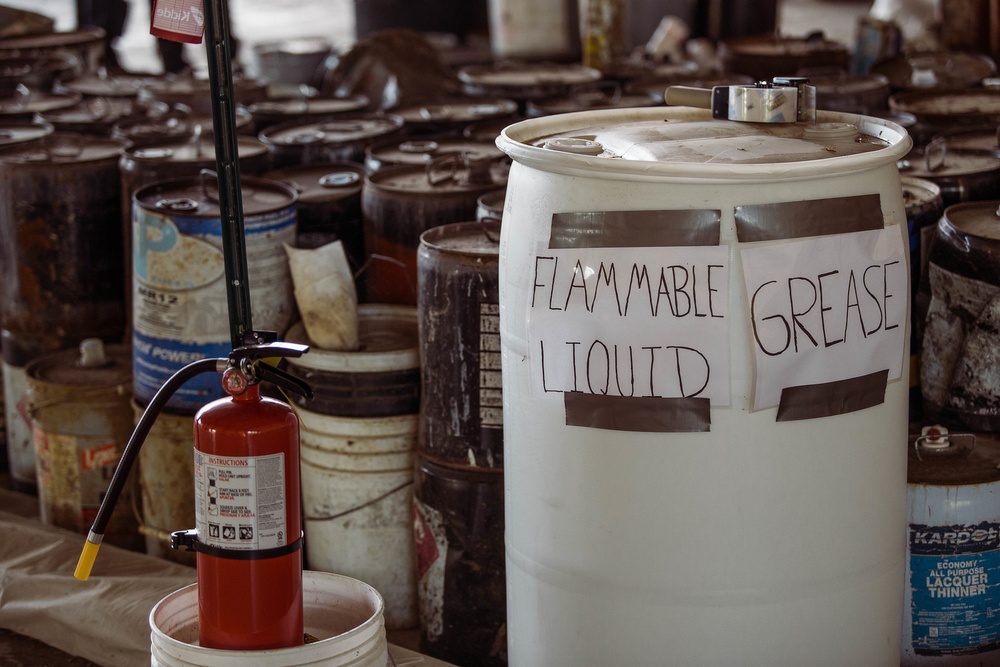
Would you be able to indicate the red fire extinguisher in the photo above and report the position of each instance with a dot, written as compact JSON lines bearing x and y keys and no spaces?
{"x":248,"y":534}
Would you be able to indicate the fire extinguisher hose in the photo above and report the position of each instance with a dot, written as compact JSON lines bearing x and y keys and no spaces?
{"x":131,"y":452}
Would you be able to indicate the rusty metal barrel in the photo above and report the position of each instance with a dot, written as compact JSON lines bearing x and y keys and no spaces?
{"x":458,"y":306}
{"x":337,"y":138}
{"x":959,"y":379}
{"x":458,"y":529}
{"x":401,"y":203}
{"x":329,"y":205}
{"x":63,"y":262}
{"x":79,"y":400}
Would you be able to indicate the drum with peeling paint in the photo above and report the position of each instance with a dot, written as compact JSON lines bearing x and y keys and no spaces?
{"x":459,"y":313}
{"x":458,"y":531}
{"x":79,"y":404}
{"x":959,"y":379}
{"x":63,"y":263}
{"x":179,"y":312}
{"x":689,"y":476}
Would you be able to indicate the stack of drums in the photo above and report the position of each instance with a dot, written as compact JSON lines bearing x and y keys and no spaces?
{"x":951,"y":606}
{"x":358,"y":439}
{"x":63,"y":264}
{"x":84,"y":48}
{"x":459,"y":497}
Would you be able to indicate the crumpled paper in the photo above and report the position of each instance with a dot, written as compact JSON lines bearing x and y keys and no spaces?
{"x":326,"y":295}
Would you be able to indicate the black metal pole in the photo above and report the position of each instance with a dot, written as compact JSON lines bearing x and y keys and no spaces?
{"x":220,"y":76}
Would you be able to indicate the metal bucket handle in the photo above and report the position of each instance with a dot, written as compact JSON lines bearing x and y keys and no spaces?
{"x":62,"y":145}
{"x":358,"y":508}
{"x":391,"y":260}
{"x":446,"y":164}
{"x":22,"y":95}
{"x":119,"y":389}
{"x":99,"y":107}
{"x":937,"y":149}
{"x":198,"y":140}
{"x":203,"y":177}
{"x":491,"y":236}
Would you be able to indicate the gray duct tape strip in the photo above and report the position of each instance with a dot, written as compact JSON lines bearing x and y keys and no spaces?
{"x":832,"y":398}
{"x":645,"y":415}
{"x":816,"y":217}
{"x":635,"y":229}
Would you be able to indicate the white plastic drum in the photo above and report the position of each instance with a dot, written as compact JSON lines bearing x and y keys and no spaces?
{"x":704,"y":327}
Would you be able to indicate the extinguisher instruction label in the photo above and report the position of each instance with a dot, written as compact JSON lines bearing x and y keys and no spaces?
{"x":955,"y":586}
{"x":240,"y":501}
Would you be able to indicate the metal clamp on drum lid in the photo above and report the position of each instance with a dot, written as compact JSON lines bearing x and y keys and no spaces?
{"x":785,"y":100}
{"x":937,"y":440}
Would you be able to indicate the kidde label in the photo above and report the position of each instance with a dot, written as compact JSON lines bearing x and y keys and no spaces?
{"x":240,"y":501}
{"x":955,"y":572}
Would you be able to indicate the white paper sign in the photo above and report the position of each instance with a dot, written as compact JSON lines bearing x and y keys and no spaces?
{"x":635,"y":322}
{"x":826,"y":309}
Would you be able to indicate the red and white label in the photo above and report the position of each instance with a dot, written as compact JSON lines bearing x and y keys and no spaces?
{"x":178,"y":20}
{"x":240,"y":501}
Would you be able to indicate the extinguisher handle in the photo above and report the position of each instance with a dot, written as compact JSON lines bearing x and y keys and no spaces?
{"x":266,"y":350}
{"x":276,"y":376}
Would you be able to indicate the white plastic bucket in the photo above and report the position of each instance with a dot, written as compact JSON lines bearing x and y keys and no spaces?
{"x":344,"y":614}
{"x":357,"y":501}
{"x":756,"y":541}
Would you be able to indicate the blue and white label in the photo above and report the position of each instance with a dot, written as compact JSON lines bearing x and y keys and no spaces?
{"x":955,"y":588}
{"x":180,"y":309}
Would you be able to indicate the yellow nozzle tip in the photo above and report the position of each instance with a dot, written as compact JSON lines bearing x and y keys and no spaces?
{"x":86,"y":562}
